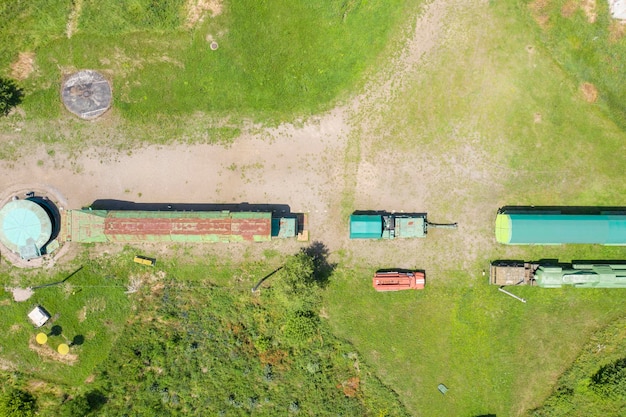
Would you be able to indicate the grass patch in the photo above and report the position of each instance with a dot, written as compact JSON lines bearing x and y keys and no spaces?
{"x":587,"y":44}
{"x":88,"y":311}
{"x":276,"y":60}
{"x":485,"y":347}
{"x":189,"y":346}
{"x":489,"y":120}
{"x":574,"y":394}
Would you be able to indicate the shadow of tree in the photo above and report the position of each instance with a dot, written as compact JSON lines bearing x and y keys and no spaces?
{"x":96,"y":400}
{"x":323,"y":269}
{"x":10,"y":95}
{"x":56,"y":330}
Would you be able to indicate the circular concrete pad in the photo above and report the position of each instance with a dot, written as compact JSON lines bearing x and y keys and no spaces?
{"x":87,"y":94}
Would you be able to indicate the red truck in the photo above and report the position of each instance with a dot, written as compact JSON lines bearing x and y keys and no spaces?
{"x":399,"y":280}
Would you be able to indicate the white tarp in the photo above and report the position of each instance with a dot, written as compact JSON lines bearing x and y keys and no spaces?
{"x":617,"y":9}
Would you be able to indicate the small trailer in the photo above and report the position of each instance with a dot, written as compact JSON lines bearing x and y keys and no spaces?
{"x":398,"y":280}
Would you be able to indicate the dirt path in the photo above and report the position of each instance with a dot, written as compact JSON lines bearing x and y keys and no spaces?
{"x":301,"y":166}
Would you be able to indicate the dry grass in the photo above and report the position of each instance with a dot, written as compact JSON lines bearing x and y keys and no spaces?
{"x":589,"y":7}
{"x":72,"y":20}
{"x":196,"y":11}
{"x":539,"y":10}
{"x":590,"y":92}
{"x":569,"y":8}
{"x":24,"y":66}
{"x":617,"y":29}
{"x":47,"y":353}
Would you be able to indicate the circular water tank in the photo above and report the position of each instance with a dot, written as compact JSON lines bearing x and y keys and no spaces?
{"x":24,"y":227}
{"x":87,"y":94}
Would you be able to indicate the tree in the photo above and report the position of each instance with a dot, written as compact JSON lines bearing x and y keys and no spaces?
{"x":76,"y":407}
{"x":610,"y":380}
{"x":294,"y":285}
{"x":10,"y":95}
{"x":17,"y":403}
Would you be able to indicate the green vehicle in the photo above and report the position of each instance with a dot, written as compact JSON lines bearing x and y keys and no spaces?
{"x":384,"y":225}
{"x":556,"y":275}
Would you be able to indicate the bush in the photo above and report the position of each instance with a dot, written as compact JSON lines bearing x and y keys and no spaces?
{"x":610,"y":380}
{"x":301,"y":326}
{"x":17,"y":403}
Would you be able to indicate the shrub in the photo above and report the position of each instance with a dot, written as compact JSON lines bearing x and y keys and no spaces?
{"x":17,"y":403}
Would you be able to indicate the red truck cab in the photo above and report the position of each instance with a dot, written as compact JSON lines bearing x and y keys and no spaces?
{"x":399,"y":280}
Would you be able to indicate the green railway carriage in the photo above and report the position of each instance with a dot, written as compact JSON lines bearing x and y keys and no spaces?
{"x":175,"y":226}
{"x":553,"y":275}
{"x":555,"y":228}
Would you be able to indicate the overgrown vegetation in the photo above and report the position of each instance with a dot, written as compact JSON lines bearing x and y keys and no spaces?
{"x":195,"y":348}
{"x":595,"y":385}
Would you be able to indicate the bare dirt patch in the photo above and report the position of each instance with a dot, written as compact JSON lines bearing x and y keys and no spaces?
{"x":590,"y":92}
{"x":82,"y":314}
{"x":589,"y":7}
{"x":539,"y":11}
{"x":24,"y":66}
{"x":569,"y":8}
{"x":196,"y":10}
{"x":46,"y":352}
{"x":72,"y":20}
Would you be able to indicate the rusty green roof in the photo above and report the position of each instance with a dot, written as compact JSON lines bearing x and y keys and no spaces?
{"x":169,"y":226}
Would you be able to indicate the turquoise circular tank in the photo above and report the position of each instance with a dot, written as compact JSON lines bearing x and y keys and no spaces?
{"x":24,"y":224}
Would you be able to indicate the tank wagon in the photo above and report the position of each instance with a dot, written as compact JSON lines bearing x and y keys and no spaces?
{"x":130,"y":226}
{"x":555,"y":227}
{"x":592,"y":275}
{"x":383,"y":225}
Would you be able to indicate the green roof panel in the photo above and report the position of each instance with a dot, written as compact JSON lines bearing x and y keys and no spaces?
{"x":555,"y":229}
{"x":366,"y":226}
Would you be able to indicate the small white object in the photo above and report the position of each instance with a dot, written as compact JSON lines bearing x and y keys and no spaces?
{"x":38,"y":316}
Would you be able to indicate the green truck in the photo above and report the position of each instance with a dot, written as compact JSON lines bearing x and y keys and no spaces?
{"x":384,"y":225}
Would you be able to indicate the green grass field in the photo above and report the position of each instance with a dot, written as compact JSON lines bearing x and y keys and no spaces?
{"x":298,"y":62}
{"x":502,"y":89}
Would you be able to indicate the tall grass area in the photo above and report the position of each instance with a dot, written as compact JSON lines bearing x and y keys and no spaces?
{"x":195,"y":341}
{"x":595,"y":384}
{"x":497,"y":122}
{"x":276,"y":60}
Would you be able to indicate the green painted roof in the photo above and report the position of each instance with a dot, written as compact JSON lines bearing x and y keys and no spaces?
{"x":407,"y":227}
{"x":168,"y":226}
{"x":366,"y":226}
{"x":582,"y":276}
{"x":554,"y":229}
{"x":284,"y":227}
{"x":25,"y":227}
